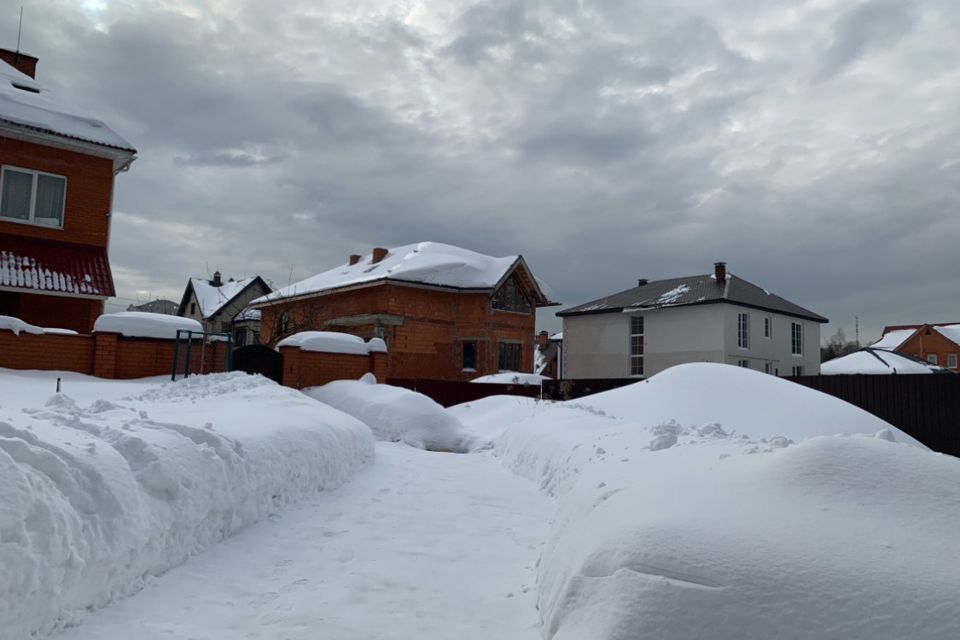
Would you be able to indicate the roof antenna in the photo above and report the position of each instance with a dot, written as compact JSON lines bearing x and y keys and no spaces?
{"x":19,"y":29}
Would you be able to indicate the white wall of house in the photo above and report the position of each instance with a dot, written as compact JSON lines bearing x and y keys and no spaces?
{"x":675,"y":335}
{"x":598,"y":345}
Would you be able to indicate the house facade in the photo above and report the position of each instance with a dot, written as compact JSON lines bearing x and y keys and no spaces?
{"x":57,"y":170}
{"x":716,"y":317}
{"x":445,"y":312}
{"x":221,"y":306}
{"x":937,"y":344}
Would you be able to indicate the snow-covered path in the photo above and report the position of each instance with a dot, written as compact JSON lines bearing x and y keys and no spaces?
{"x":417,"y":545}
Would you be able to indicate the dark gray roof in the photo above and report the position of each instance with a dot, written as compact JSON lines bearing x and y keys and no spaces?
{"x":680,"y":292}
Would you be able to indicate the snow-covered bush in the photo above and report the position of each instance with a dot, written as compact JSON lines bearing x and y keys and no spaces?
{"x":94,"y":499}
{"x":396,"y":414}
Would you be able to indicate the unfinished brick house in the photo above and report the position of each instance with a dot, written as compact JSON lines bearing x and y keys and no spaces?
{"x":446,"y":313}
{"x":56,"y":190}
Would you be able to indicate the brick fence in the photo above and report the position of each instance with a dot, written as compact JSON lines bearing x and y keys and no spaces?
{"x":303,"y":369}
{"x":105,"y":355}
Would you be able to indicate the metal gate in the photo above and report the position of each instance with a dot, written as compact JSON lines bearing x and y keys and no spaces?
{"x":256,"y":358}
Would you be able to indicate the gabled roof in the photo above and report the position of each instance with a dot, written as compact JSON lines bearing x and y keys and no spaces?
{"x":872,"y":361}
{"x":39,"y":266}
{"x":212,"y":299}
{"x":28,"y":105}
{"x":949,"y":331}
{"x":693,"y":290}
{"x":426,"y":263}
{"x":896,"y":336}
{"x":893,"y":339}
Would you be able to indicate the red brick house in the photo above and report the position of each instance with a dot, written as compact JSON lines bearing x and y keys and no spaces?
{"x":446,"y":313}
{"x":936,"y":343}
{"x":56,"y":189}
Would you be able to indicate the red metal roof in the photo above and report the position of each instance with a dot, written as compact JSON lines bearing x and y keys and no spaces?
{"x":63,"y":267}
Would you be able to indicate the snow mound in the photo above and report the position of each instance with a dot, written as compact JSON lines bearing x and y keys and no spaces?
{"x":17,"y":325}
{"x":141,"y":324}
{"x":396,"y":414}
{"x":748,"y":401}
{"x":511,"y":377}
{"x":97,"y":499}
{"x":333,"y":342}
{"x":685,"y":526}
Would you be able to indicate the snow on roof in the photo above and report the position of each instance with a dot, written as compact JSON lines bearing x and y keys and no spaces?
{"x":211,"y":299}
{"x":27,"y":103}
{"x":140,"y":324}
{"x":871,"y":361}
{"x":949,"y":331}
{"x":893,"y":339}
{"x":66,"y":267}
{"x":431,"y":263}
{"x":333,"y":342}
{"x":248,"y":314}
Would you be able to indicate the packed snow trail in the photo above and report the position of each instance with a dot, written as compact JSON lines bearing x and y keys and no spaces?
{"x":417,"y":545}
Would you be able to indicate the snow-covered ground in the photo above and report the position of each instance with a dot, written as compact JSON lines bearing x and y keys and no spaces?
{"x":706,"y":502}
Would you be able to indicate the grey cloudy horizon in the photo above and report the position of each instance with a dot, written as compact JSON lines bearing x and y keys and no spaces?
{"x":813,"y":146}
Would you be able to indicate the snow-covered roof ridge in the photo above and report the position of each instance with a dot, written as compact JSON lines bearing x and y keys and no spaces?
{"x":430,"y":263}
{"x":213,"y":298}
{"x":873,"y":361}
{"x":25,"y":103}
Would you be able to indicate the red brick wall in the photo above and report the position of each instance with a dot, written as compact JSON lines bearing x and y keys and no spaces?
{"x":429,"y":342}
{"x":929,"y":341}
{"x":46,"y":352}
{"x":303,"y":369}
{"x":86,"y":217}
{"x":61,"y":312}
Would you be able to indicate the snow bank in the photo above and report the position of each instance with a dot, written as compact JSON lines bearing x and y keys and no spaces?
{"x":98,"y":498}
{"x":511,"y":377}
{"x":333,"y":342}
{"x":17,"y":325}
{"x":141,"y":324}
{"x":396,"y":414}
{"x":708,"y":503}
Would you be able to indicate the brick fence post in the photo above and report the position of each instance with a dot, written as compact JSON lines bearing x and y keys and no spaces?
{"x":105,"y":355}
{"x":379,"y":361}
{"x":291,"y":367}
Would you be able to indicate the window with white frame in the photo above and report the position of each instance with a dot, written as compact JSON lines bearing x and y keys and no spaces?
{"x":32,"y":196}
{"x":743,"y":363}
{"x":932,"y":358}
{"x":636,"y":345}
{"x":767,"y":327}
{"x":798,"y":370}
{"x":951,"y":361}
{"x":743,"y":330}
{"x":796,"y":339}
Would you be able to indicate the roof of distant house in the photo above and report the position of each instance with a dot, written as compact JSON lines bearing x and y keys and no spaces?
{"x":891,"y":340}
{"x":428,"y":263}
{"x":894,"y":337}
{"x":693,"y":290}
{"x":872,"y":361}
{"x":27,"y":104}
{"x":949,"y":331}
{"x":54,"y":266}
{"x":213,"y":298}
{"x":166,"y":307}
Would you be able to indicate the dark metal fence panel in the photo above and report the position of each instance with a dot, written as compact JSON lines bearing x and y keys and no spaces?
{"x":572,"y":389}
{"x":925,"y":406}
{"x":451,"y":392}
{"x":256,"y":358}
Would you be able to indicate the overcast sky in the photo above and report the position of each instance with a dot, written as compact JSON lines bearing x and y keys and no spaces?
{"x":814,"y":146}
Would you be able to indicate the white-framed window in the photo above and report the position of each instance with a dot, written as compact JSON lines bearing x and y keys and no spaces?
{"x":796,"y":339}
{"x":33,"y":197}
{"x":798,"y":370}
{"x":743,"y":330}
{"x":743,"y":363}
{"x":951,"y":361}
{"x":932,"y":358}
{"x":636,"y":345}
{"x":767,"y":367}
{"x":768,"y":327}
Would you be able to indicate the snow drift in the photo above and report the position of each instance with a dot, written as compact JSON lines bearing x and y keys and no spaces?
{"x":95,"y":499}
{"x":712,"y":501}
{"x":396,"y":414}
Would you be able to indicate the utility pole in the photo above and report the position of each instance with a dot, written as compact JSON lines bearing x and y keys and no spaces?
{"x":856,"y":320}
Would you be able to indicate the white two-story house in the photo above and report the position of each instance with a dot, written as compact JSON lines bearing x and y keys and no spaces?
{"x":716,"y":317}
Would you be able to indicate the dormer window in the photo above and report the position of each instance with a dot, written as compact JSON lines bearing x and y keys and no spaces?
{"x":510,"y":297}
{"x":33,"y":197}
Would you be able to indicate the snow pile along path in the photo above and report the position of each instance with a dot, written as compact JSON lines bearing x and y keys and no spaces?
{"x":96,"y":498}
{"x":718,"y":507}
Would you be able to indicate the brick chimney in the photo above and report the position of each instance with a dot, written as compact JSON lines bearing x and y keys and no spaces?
{"x":720,"y":271}
{"x":20,"y":61}
{"x":543,"y":339}
{"x":379,"y":253}
{"x":216,"y":282}
{"x":642,"y":281}
{"x":354,"y":258}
